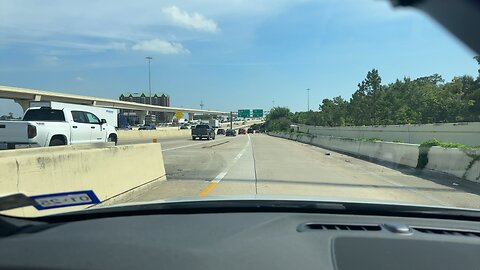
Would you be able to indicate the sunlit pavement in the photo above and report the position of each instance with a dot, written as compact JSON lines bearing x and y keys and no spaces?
{"x":264,"y":165}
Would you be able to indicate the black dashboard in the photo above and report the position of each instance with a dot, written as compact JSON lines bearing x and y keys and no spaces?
{"x":246,"y":240}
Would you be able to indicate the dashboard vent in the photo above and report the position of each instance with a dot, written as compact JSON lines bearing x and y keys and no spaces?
{"x":447,"y":232}
{"x":338,"y":227}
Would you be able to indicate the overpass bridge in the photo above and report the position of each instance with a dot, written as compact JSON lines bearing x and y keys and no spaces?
{"x":23,"y":96}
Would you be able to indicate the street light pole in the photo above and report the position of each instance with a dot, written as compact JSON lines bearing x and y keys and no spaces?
{"x":308,"y":99}
{"x":149,"y":82}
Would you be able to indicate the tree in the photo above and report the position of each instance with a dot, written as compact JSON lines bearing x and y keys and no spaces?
{"x":279,"y":119}
{"x":427,"y":99}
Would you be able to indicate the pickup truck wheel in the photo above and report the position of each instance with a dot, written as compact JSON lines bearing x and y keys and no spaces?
{"x":193,"y":138}
{"x":56,"y":142}
{"x":112,"y":138}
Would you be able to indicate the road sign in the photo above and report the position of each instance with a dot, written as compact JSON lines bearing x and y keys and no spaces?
{"x":178,"y":115}
{"x":243,"y":113}
{"x":257,"y":112}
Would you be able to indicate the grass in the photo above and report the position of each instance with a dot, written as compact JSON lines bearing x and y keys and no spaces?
{"x":436,"y":142}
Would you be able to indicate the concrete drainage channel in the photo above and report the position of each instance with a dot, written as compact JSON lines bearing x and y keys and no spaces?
{"x":453,"y":161}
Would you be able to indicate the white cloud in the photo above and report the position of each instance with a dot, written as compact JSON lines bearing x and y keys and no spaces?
{"x":79,"y":79}
{"x":160,"y":46}
{"x":90,"y":46}
{"x":191,"y":21}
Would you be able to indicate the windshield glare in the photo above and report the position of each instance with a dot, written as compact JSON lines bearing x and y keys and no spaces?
{"x":351,"y":100}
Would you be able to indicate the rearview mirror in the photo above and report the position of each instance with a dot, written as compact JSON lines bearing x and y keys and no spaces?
{"x":103,"y":121}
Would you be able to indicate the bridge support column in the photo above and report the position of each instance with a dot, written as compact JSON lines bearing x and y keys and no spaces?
{"x":190,"y":116}
{"x":23,"y":103}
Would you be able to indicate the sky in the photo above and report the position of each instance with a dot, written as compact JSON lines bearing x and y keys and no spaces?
{"x":229,"y":54}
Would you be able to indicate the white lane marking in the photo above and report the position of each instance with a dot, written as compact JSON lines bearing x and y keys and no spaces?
{"x":193,"y":144}
{"x":221,"y":175}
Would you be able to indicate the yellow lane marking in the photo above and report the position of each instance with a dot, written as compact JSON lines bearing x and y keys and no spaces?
{"x":221,"y":175}
{"x":208,"y":188}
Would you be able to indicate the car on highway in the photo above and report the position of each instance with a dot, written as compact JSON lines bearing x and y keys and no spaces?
{"x":183,"y":127}
{"x":250,"y":131}
{"x":230,"y":132}
{"x":147,"y":127}
{"x":220,"y":131}
{"x":242,"y":131}
{"x":203,"y":131}
{"x":55,"y":123}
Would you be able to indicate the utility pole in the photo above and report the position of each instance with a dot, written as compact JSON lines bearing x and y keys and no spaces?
{"x":149,"y":58}
{"x":308,"y":99}
{"x":231,"y":120}
{"x":201,"y":104}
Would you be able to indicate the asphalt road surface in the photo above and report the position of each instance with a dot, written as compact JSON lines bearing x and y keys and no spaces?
{"x":264,"y":165}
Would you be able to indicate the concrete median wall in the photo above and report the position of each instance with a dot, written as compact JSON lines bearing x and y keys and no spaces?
{"x":112,"y":172}
{"x":168,"y":132}
{"x":125,"y":135}
{"x":465,"y":133}
{"x":460,"y":163}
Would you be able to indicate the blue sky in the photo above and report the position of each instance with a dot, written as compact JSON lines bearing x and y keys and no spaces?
{"x":229,"y":54}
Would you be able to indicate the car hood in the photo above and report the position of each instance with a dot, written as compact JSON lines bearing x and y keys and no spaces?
{"x":276,"y":198}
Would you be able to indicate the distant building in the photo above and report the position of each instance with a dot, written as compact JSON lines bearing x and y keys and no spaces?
{"x":160,"y":99}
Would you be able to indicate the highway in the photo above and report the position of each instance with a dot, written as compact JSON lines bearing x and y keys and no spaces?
{"x":258,"y":164}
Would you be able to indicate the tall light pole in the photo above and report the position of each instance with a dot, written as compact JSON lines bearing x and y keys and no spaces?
{"x":308,"y":99}
{"x":149,"y":58}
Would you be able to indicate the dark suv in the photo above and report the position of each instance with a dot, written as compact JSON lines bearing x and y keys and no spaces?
{"x":203,"y":131}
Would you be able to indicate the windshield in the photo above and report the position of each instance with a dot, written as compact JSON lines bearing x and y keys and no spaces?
{"x":44,"y":115}
{"x":353,"y":100}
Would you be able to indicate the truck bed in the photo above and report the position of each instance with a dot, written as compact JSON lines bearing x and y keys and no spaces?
{"x":13,"y":131}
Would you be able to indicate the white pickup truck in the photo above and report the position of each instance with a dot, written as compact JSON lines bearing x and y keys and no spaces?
{"x":59,"y":124}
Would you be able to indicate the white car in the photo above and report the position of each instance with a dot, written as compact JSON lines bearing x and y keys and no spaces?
{"x":47,"y":126}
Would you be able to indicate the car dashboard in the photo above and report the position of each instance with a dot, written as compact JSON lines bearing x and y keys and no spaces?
{"x":246,"y":240}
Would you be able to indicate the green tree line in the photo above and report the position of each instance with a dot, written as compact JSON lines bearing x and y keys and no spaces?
{"x":407,"y":101}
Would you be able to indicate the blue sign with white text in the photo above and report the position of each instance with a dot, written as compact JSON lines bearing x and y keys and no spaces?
{"x":65,"y":199}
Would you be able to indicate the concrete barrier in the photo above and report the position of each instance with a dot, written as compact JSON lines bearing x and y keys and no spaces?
{"x":457,"y":162}
{"x":112,"y":172}
{"x":461,"y":163}
{"x":125,"y":135}
{"x":465,"y":133}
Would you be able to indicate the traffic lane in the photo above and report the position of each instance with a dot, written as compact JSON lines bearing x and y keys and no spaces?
{"x":239,"y":178}
{"x":275,"y":166}
{"x":190,"y":169}
{"x":286,"y":167}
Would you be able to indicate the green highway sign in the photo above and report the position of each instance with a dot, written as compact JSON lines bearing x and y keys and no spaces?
{"x":243,"y":113}
{"x":257,"y":112}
